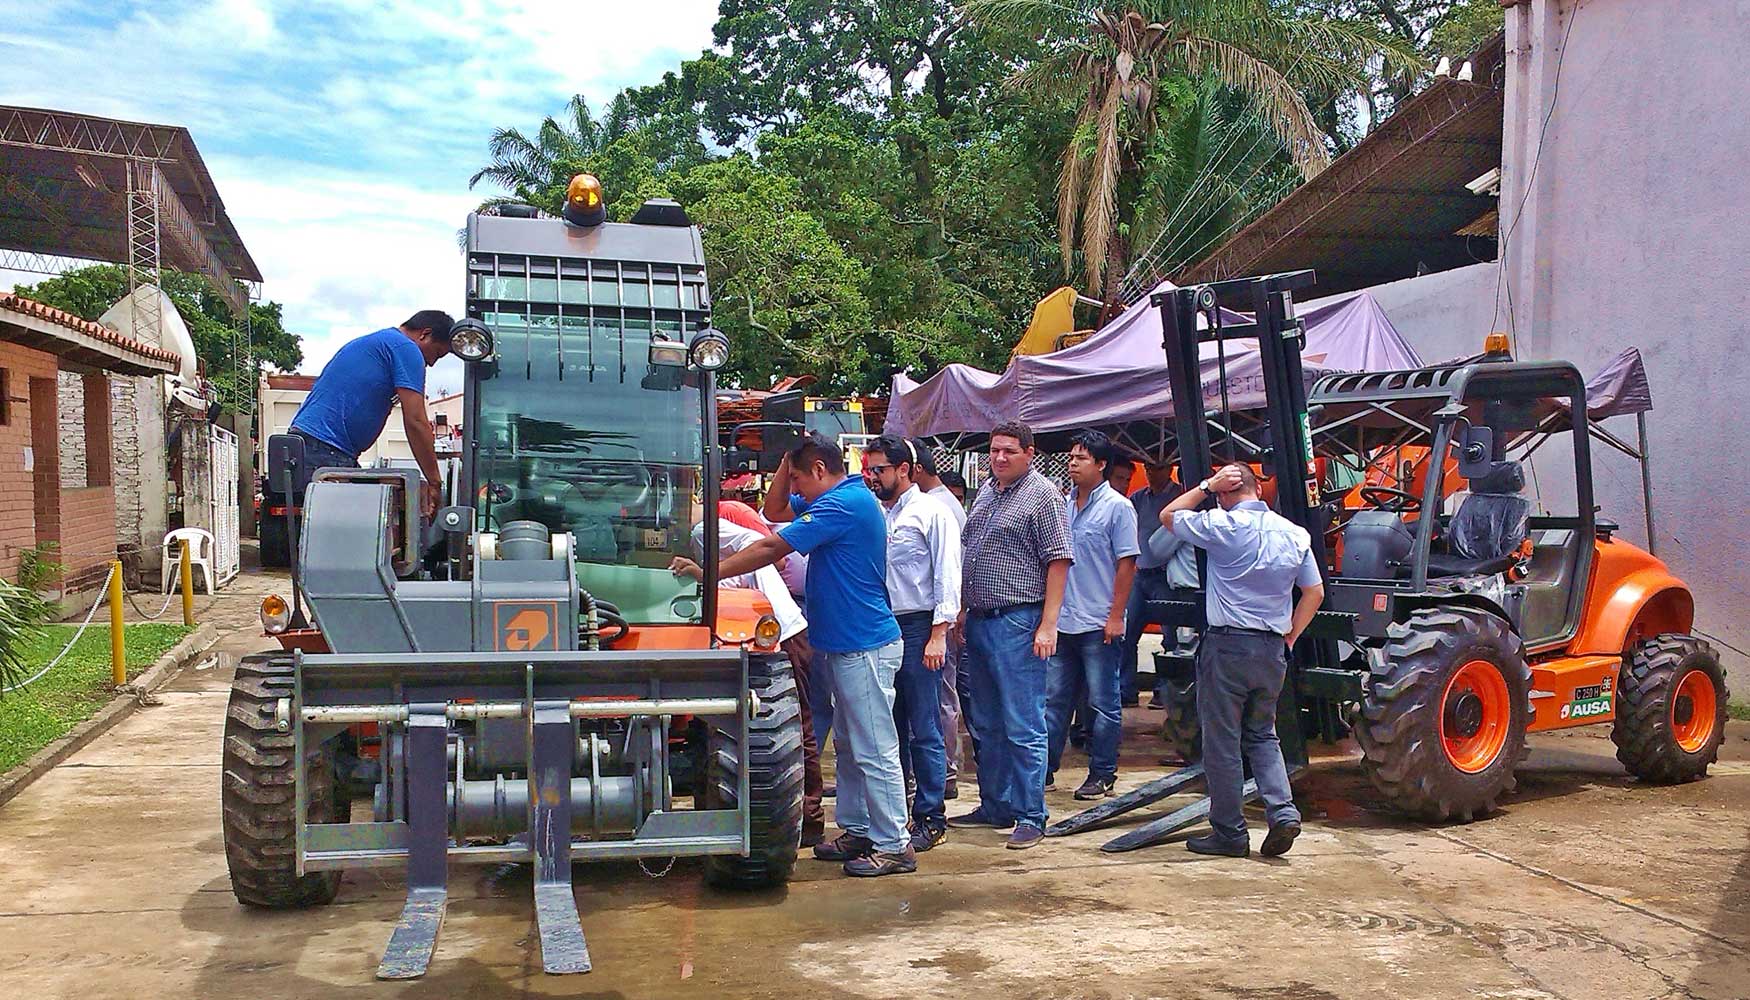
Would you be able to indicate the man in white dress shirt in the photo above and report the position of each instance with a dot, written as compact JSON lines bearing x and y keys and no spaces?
{"x":923,"y":586}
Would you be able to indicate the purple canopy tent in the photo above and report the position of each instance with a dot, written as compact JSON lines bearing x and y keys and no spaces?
{"x":1118,"y":376}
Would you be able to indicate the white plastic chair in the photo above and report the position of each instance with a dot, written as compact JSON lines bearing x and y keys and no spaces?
{"x":199,"y":557}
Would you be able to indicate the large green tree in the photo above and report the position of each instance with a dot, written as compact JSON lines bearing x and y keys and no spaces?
{"x":1116,"y":61}
{"x":232,"y":355}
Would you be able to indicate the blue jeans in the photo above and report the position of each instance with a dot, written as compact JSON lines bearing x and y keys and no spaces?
{"x":917,"y":714}
{"x":871,"y":798}
{"x":1008,"y":695}
{"x":820,"y":675}
{"x":1085,"y":662}
{"x":1150,"y":584}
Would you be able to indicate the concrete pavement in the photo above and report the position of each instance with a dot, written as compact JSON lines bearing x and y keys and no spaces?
{"x":1586,"y":885}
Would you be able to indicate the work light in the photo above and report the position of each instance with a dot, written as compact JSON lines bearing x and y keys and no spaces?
{"x":585,"y":204}
{"x":710,"y":350}
{"x":471,"y":340}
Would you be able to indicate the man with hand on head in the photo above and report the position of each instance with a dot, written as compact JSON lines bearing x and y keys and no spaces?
{"x":1017,"y":556}
{"x":923,"y":585}
{"x":1090,"y":632}
{"x":839,"y":525}
{"x":1256,"y":558}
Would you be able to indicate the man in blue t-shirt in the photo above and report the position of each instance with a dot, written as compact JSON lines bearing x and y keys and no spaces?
{"x":837,"y":522}
{"x":350,"y":402}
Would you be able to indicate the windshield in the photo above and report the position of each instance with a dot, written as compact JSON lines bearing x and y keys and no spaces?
{"x":577,"y":430}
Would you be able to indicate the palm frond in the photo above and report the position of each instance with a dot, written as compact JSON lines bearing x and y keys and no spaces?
{"x":1100,"y":214}
{"x":1276,"y":98}
{"x":1070,"y":183}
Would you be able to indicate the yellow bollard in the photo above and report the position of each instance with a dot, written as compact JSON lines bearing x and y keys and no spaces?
{"x":118,"y":650}
{"x":187,"y":586}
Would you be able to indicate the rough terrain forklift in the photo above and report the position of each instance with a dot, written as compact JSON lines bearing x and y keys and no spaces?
{"x":1453,"y":625}
{"x":527,"y":670}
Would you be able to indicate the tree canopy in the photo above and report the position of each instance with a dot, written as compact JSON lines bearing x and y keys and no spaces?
{"x":892,"y":184}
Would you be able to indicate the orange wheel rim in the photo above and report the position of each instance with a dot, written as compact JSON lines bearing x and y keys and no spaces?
{"x":1475,"y":714}
{"x":1692,"y":711}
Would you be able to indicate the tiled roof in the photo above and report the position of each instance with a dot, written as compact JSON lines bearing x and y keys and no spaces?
{"x":49,"y":314}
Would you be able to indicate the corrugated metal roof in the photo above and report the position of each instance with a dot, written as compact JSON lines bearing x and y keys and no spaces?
{"x":1391,"y":207}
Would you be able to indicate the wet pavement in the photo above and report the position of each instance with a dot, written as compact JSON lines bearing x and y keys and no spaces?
{"x":1586,"y":884}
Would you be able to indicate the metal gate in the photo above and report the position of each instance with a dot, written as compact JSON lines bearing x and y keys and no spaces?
{"x":222,"y":505}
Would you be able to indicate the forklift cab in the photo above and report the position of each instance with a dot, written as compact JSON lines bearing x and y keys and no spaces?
{"x":1476,"y":529}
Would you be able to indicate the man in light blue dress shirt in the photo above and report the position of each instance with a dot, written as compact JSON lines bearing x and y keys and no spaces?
{"x":1256,"y":559}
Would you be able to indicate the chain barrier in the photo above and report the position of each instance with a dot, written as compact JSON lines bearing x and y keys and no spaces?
{"x":32,"y":679}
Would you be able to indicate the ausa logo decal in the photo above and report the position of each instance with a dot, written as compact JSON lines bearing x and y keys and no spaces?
{"x":529,"y":627}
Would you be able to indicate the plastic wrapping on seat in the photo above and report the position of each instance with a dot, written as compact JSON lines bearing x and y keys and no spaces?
{"x":1494,"y":519}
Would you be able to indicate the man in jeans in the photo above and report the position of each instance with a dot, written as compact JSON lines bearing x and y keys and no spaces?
{"x":1102,"y":528}
{"x":1017,"y":556}
{"x":347,"y":407}
{"x":923,"y":585}
{"x":935,"y":485}
{"x":1256,"y":558}
{"x":838,"y":524}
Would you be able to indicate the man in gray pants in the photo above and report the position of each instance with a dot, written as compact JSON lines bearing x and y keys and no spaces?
{"x":1256,"y":558}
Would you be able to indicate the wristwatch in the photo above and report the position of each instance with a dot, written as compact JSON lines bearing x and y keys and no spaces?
{"x":1204,"y":486}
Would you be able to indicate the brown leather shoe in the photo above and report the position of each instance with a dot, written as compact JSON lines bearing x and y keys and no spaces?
{"x":882,"y":863}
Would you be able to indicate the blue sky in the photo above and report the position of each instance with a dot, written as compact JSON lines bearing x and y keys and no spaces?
{"x":341,"y":133}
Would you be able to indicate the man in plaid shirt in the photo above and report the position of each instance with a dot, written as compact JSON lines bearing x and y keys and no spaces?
{"x":1016,"y":559}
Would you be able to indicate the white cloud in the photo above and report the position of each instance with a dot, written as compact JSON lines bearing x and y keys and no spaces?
{"x":341,"y":133}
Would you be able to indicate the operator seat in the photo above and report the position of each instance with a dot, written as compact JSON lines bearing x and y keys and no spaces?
{"x":1488,"y":528}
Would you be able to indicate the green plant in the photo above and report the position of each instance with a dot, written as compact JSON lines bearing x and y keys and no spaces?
{"x":22,"y":613}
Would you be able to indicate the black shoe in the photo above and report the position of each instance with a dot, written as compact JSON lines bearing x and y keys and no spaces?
{"x":927,"y":835}
{"x":977,"y":818}
{"x":812,"y":835}
{"x":1157,"y":702}
{"x":1051,"y":782}
{"x":1279,"y":839}
{"x":1094,"y":788}
{"x":1132,"y":701}
{"x":1212,"y":845}
{"x":882,"y":863}
{"x":829,"y":791}
{"x":951,"y":790}
{"x":844,"y":847}
{"x":1078,"y":741}
{"x":1026,"y":835}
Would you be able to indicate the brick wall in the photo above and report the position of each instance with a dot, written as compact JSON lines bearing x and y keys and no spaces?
{"x":17,"y":495}
{"x":72,"y":420}
{"x":87,"y":534}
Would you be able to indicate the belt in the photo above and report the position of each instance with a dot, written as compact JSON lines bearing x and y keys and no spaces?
{"x":1002,"y":609}
{"x":1236,"y":630}
{"x":900,"y":615}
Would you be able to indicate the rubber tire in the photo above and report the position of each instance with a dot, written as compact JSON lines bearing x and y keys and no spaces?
{"x":257,"y":795}
{"x":1180,"y":726}
{"x":774,"y":760}
{"x":276,"y":548}
{"x":1398,"y":726}
{"x":1642,"y":733}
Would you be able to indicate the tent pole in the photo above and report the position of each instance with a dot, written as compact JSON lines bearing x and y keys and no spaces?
{"x":1646,"y":481}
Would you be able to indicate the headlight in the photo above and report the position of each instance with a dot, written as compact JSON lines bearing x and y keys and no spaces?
{"x":470,"y":340}
{"x":668,"y":353}
{"x":710,"y":350}
{"x":766,"y":631}
{"x":276,"y":614}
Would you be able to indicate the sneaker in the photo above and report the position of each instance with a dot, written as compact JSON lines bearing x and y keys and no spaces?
{"x":882,"y":863}
{"x":1094,"y":788}
{"x":1158,"y":702}
{"x":1279,"y":839}
{"x":977,"y":818}
{"x":844,"y":847}
{"x":927,"y":835}
{"x":1214,"y":846}
{"x":1132,"y":701}
{"x":1026,"y":835}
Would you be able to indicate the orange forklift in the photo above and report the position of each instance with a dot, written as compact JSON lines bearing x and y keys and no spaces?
{"x":1461,"y":612}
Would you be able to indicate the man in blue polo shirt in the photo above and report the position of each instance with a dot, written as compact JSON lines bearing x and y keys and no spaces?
{"x":837,"y":522}
{"x":350,"y":402}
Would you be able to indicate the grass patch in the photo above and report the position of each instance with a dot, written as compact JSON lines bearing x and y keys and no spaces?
{"x":78,"y":686}
{"x":1738,"y":710}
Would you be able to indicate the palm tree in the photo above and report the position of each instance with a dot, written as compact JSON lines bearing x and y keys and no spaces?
{"x":1120,"y":62}
{"x":530,"y":168}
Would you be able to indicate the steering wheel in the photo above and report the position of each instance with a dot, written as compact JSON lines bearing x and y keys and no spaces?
{"x":1390,"y":499}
